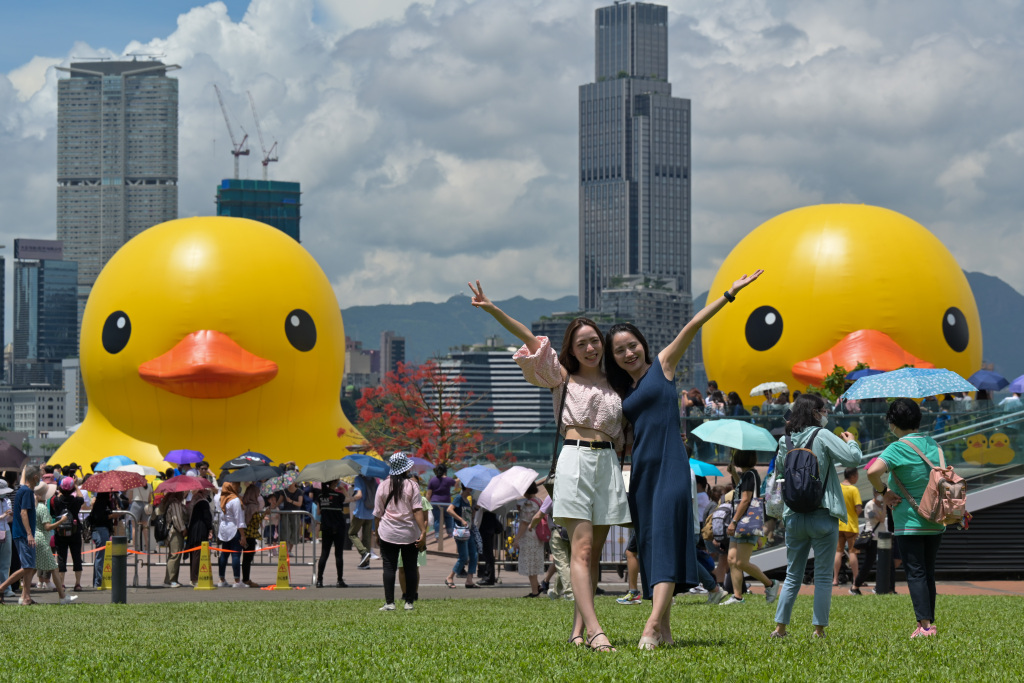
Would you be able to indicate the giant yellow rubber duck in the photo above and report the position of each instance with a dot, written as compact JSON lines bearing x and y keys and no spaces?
{"x":843,"y":284}
{"x":216,"y":334}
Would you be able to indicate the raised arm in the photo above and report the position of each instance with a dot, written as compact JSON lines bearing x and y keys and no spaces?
{"x":673,"y":353}
{"x":521,"y":331}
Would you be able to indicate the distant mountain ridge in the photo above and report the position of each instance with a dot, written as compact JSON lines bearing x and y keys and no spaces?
{"x":431,"y":329}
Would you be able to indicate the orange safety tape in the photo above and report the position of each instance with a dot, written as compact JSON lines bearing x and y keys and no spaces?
{"x":189,"y":550}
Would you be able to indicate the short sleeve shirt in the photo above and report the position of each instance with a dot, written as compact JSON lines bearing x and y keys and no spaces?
{"x":905,"y":463}
{"x":851,"y":496}
{"x":24,"y":499}
{"x":749,"y":481}
{"x":364,"y":506}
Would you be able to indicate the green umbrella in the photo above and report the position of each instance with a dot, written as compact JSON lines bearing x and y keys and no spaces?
{"x":328,"y":470}
{"x":737,"y":434}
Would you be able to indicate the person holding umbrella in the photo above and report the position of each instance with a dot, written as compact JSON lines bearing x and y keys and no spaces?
{"x":401,"y":529}
{"x":333,"y":501}
{"x":232,"y":541}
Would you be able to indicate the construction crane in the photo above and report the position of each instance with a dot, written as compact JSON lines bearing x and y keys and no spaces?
{"x":267,"y":154}
{"x":238,"y":149}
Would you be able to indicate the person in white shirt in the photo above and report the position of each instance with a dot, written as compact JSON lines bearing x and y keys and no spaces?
{"x":229,"y":531}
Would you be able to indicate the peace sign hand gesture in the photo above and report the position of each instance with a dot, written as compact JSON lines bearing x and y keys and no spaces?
{"x":746,"y":280}
{"x":480,"y":299}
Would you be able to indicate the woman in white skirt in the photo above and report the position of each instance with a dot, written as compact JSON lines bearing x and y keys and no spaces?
{"x":531,"y":551}
{"x":589,"y":493}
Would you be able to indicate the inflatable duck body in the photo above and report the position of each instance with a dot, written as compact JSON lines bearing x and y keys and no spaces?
{"x":843,"y":284}
{"x":216,"y":334}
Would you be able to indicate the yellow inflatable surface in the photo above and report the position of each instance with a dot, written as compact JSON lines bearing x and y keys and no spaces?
{"x":216,"y":334}
{"x":843,"y":284}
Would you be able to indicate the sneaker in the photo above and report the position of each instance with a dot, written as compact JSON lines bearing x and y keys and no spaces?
{"x":341,"y":584}
{"x":771,"y":593}
{"x":698,"y":590}
{"x":855,"y":591}
{"x":390,"y":607}
{"x":408,"y":607}
{"x":68,"y":599}
{"x":222,"y":584}
{"x":633,"y":597}
{"x":715,"y":597}
{"x":238,"y":584}
{"x":553,"y":594}
{"x":569,"y":598}
{"x":374,"y":556}
{"x":544,"y":586}
{"x":733,"y":600}
{"x":251,"y":584}
{"x":175,"y":584}
{"x":364,"y":561}
{"x":920,"y":631}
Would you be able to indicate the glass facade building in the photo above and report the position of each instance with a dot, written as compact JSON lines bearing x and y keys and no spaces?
{"x":45,"y":321}
{"x":117,"y":158}
{"x":272,"y":202}
{"x":634,"y":169}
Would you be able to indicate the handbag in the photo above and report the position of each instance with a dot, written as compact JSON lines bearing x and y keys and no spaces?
{"x":865,"y":536}
{"x":461,"y":533}
{"x":752,"y":523}
{"x":543,"y":530}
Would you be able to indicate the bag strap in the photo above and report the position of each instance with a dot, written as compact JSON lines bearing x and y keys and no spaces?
{"x":558,"y":429}
{"x":942,"y":460}
{"x":906,"y":493}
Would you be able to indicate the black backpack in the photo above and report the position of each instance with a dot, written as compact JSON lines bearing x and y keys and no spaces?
{"x":160,"y":528}
{"x":802,"y":486}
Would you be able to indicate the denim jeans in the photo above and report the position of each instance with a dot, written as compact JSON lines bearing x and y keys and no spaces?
{"x":441,"y":510}
{"x":705,"y":578}
{"x":100,"y":536}
{"x":236,"y":557}
{"x":467,"y":555}
{"x":818,"y":530}
{"x":919,"y":553}
{"x":5,"y":561}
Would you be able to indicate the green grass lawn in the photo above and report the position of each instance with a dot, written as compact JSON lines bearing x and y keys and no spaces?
{"x":505,"y":640}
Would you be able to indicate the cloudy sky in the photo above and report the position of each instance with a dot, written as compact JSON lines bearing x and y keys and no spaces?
{"x":436,"y":141}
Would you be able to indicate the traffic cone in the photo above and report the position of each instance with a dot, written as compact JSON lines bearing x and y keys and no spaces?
{"x":105,"y":578}
{"x":205,"y":580}
{"x":282,"y":568}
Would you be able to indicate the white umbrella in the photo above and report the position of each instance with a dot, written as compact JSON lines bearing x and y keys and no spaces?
{"x":773,"y":387}
{"x":508,"y":486}
{"x":138,"y":469}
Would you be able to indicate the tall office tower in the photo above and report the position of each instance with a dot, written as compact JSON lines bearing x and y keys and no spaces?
{"x":392,"y":352}
{"x":117,"y":158}
{"x":273,"y":202}
{"x":4,"y":379}
{"x":45,"y":314}
{"x":634,"y":173}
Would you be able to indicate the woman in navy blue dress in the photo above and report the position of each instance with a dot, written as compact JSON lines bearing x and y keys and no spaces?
{"x":660,"y":499}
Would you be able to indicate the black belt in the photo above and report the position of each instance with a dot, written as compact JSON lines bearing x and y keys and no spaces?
{"x":596,"y":445}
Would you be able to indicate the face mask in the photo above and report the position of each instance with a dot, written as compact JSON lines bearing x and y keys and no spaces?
{"x":824,"y":420}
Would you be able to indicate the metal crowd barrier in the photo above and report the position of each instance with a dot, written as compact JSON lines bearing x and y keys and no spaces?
{"x":613,"y":553}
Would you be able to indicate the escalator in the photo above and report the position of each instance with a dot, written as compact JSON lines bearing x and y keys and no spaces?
{"x":988,"y":452}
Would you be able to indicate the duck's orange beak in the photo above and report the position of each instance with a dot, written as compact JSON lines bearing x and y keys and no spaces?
{"x":208,"y":364}
{"x":875,"y":348}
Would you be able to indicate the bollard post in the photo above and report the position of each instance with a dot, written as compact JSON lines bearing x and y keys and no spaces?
{"x":883,"y":563}
{"x":119,"y":570}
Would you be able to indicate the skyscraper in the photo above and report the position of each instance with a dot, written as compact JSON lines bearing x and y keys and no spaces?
{"x":634,"y":175}
{"x":273,"y":202}
{"x":392,"y":352}
{"x":117,"y":158}
{"x":45,"y":314}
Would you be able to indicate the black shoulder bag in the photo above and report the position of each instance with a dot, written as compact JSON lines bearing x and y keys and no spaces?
{"x":558,"y":429}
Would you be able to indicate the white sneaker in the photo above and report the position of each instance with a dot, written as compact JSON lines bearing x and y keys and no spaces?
{"x":552,"y":593}
{"x":698,"y":590}
{"x":771,"y":593}
{"x":733,"y":600}
{"x":175,"y":584}
{"x":408,"y":606}
{"x":374,"y":556}
{"x":68,"y":599}
{"x":238,"y":584}
{"x":364,"y":561}
{"x":222,"y":584}
{"x":715,"y":597}
{"x":390,"y":607}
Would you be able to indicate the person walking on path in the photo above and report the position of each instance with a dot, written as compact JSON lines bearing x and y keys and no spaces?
{"x":818,"y":529}
{"x":440,"y":487}
{"x":660,"y":498}
{"x":909,"y":462}
{"x":23,"y":533}
{"x":848,"y":527}
{"x":173,"y":509}
{"x":333,"y":502}
{"x":590,"y":496}
{"x":741,"y":546}
{"x":364,"y":490}
{"x":531,"y":551}
{"x":45,"y":524}
{"x":401,"y":529}
{"x":6,"y":542}
{"x":463,"y":512}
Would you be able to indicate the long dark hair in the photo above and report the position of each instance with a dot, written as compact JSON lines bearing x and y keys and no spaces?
{"x":397,"y":487}
{"x":617,"y":377}
{"x":802,"y":415}
{"x":567,"y":359}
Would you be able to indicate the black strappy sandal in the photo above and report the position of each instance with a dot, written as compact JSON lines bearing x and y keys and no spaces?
{"x":600,"y":648}
{"x":572,"y":641}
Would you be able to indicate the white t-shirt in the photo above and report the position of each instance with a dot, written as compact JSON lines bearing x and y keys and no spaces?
{"x":703,"y":503}
{"x":875,"y":514}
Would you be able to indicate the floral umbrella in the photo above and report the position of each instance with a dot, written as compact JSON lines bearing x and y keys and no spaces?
{"x":279,"y":483}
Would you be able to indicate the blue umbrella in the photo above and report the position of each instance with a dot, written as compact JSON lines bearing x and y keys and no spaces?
{"x":476,"y":477}
{"x":1017,"y":385}
{"x":864,"y":372}
{"x":112,"y":462}
{"x":737,"y":434}
{"x":986,"y":380}
{"x":705,"y":469}
{"x":370,"y":466}
{"x":909,"y":383}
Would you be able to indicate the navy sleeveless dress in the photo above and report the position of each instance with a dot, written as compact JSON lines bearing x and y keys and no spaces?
{"x":660,"y":499}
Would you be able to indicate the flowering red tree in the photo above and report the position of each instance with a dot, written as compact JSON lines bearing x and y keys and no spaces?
{"x":419,"y":409}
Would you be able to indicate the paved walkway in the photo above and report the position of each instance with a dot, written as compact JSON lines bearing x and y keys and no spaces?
{"x":367,"y":584}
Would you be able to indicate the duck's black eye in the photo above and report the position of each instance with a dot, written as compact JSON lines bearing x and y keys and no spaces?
{"x":300,"y":330}
{"x":117,"y":330}
{"x":764,"y":328}
{"x":954,"y":329}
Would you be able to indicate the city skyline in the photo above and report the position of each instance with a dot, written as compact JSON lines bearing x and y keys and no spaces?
{"x":438,"y":142}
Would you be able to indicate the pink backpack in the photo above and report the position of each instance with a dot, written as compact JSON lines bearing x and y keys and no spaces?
{"x":944,"y":500}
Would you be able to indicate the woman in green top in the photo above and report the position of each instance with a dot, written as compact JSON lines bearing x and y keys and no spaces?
{"x":917,"y":538}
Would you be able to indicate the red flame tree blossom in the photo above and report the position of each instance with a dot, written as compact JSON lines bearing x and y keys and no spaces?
{"x":419,"y":409}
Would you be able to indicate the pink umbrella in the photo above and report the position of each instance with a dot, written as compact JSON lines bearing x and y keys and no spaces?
{"x":421,"y":465}
{"x":109,"y":482}
{"x":184,"y":482}
{"x":508,"y":486}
